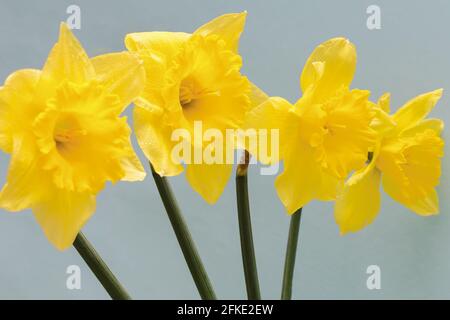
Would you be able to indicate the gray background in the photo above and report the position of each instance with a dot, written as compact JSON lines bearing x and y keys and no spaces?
{"x":408,"y":56}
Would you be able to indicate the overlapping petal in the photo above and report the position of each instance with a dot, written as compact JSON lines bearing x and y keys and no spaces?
{"x":121,"y":74}
{"x":416,"y":109}
{"x":165,"y":44}
{"x":16,"y":105}
{"x":154,"y":138}
{"x":23,"y":182}
{"x":304,"y":180}
{"x":67,"y":61}
{"x":275,"y":113}
{"x":359,"y":201}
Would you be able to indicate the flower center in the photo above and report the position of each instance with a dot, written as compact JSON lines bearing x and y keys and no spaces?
{"x":186,"y":95}
{"x":67,"y":132}
{"x":331,"y":128}
{"x":190,"y":91}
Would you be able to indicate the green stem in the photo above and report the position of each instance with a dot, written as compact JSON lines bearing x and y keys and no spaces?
{"x":291,"y":251}
{"x":99,"y":268}
{"x":185,"y":240}
{"x":245,"y":230}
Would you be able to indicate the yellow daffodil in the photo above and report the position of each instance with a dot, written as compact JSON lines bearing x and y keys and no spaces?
{"x":326,"y":134}
{"x":190,"y":78}
{"x":406,"y":159}
{"x":63,"y":128}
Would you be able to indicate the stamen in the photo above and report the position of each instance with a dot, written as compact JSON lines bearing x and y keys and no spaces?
{"x":191,"y":91}
{"x":66,"y":136}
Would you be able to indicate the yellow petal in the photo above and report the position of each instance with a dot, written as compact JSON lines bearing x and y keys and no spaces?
{"x":132,"y":166}
{"x":426,"y":205}
{"x":437,"y":125}
{"x":382,"y":123}
{"x":122,"y":74}
{"x":16,"y":110}
{"x":411,"y":169}
{"x":330,"y":66}
{"x":416,"y":109}
{"x":209,"y":180}
{"x":358,"y":203}
{"x":228,"y":27}
{"x":384,"y":102}
{"x":20,"y":86}
{"x":304,"y":180}
{"x":23,"y":184}
{"x":272,"y":114}
{"x":166,"y":44}
{"x":154,"y":138}
{"x":257,"y":96}
{"x":67,"y":60}
{"x":61,"y":215}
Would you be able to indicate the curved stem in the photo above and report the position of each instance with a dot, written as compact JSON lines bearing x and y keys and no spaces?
{"x":245,"y":230}
{"x":291,"y":251}
{"x":99,"y":268}
{"x":185,"y":240}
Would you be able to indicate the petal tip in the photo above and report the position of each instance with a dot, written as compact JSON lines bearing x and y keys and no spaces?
{"x":438,"y":93}
{"x":64,"y":30}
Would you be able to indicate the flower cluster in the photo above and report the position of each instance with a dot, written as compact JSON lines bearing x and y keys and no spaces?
{"x":63,"y":127}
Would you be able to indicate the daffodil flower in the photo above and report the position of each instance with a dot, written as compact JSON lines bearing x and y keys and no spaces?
{"x":63,"y":128}
{"x":406,"y":160}
{"x":326,"y":134}
{"x":191,"y":77}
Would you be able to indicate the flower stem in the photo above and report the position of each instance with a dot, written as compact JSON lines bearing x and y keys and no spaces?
{"x":100,"y":269}
{"x":245,"y":230}
{"x":185,"y":240}
{"x":291,"y":251}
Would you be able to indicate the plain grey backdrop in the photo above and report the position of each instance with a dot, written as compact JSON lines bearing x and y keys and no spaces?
{"x":409,"y":55}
